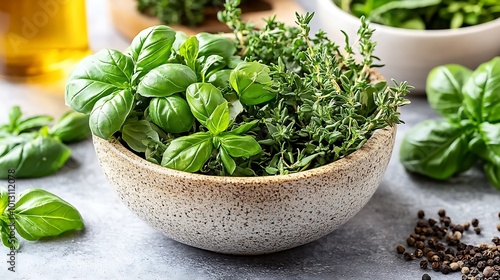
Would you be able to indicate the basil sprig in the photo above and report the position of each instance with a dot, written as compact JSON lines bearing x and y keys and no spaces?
{"x":36,"y":214}
{"x":469,"y":101}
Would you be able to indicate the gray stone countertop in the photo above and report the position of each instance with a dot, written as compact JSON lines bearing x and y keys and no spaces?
{"x":117,"y":245}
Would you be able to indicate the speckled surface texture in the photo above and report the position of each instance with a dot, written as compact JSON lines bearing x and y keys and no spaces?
{"x":116,"y":244}
{"x":248,"y":216}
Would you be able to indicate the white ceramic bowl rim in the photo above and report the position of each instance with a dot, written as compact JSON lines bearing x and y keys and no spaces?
{"x":421,"y":33}
{"x":379,"y":136}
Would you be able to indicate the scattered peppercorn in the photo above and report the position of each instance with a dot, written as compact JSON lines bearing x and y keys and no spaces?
{"x":498,"y":227}
{"x":466,"y":225}
{"x":421,"y":214}
{"x":400,"y":249}
{"x":423,"y":264}
{"x":426,"y":277}
{"x":477,"y":230}
{"x":475,"y":222}
{"x":441,"y":213}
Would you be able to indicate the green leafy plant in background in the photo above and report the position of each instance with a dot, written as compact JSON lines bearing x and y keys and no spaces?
{"x":273,"y":101}
{"x":424,"y":14}
{"x":34,"y":149}
{"x":469,"y":101}
{"x":36,"y":214}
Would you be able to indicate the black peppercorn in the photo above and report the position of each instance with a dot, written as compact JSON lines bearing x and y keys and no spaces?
{"x":410,"y":241}
{"x":432,"y":222}
{"x":419,"y":253}
{"x":445,"y":269}
{"x":477,"y":230}
{"x":466,"y":225}
{"x":481,"y":265}
{"x":408,"y":256}
{"x":435,"y":266}
{"x":475,"y":222}
{"x":400,"y":249}
{"x":426,"y":277}
{"x":421,"y":214}
{"x":441,"y":212}
{"x":423,"y":264}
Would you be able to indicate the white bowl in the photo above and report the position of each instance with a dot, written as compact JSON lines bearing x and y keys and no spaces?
{"x":408,"y":54}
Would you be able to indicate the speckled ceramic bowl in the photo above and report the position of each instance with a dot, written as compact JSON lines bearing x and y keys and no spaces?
{"x":247,"y":215}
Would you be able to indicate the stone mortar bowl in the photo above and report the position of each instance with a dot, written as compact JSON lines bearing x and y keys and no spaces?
{"x":247,"y":215}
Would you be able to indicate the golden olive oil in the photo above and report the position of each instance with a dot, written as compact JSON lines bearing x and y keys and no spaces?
{"x":41,"y":37}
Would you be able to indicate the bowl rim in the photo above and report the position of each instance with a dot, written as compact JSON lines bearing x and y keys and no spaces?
{"x":369,"y":147}
{"x":417,"y":33}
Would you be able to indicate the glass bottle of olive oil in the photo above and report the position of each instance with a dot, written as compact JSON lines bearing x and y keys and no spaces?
{"x":41,"y":37}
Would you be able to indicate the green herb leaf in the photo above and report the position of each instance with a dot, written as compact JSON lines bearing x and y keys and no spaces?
{"x":171,"y":113}
{"x":166,"y":80}
{"x":219,"y":119}
{"x":96,"y":77}
{"x":211,"y":44}
{"x":481,"y":98}
{"x":110,"y":113}
{"x":239,"y":146}
{"x":444,"y":88}
{"x":220,"y":78}
{"x":493,"y":173}
{"x":244,"y":128}
{"x":189,"y":51}
{"x":438,"y":149}
{"x":9,"y":239}
{"x":33,"y":123}
{"x":486,"y":144}
{"x":151,"y":48}
{"x":188,"y":153}
{"x":4,"y":201}
{"x":71,"y":127}
{"x":39,"y":213}
{"x":251,"y":81}
{"x":135,"y":132}
{"x":203,"y":98}
{"x":227,"y":161}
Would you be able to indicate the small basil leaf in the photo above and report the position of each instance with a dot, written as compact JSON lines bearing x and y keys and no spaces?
{"x":227,"y":161}
{"x":481,"y":98}
{"x":436,"y":149}
{"x":189,"y":51}
{"x":444,"y":88}
{"x":38,"y":157}
{"x":151,"y":48}
{"x":4,"y":200}
{"x":220,"y":78}
{"x":213,"y":63}
{"x":487,"y":143}
{"x":493,"y":173}
{"x":39,"y":213}
{"x":8,"y":237}
{"x":171,"y":113}
{"x":219,"y":119}
{"x":239,"y":146}
{"x":135,"y":132}
{"x":97,"y":76}
{"x":32,"y":123}
{"x":14,"y":116}
{"x":71,"y":127}
{"x":235,"y":106}
{"x":188,"y":153}
{"x":244,"y":128}
{"x":211,"y":44}
{"x":251,"y":81}
{"x":110,"y":113}
{"x":166,"y":80}
{"x":203,"y":98}
{"x":180,"y":38}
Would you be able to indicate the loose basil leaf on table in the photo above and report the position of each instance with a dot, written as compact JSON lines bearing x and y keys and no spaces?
{"x":437,"y":148}
{"x":8,"y":237}
{"x":203,"y":98}
{"x":219,"y":119}
{"x":171,"y":113}
{"x":188,"y":153}
{"x":210,"y":44}
{"x":71,"y":127}
{"x":16,"y":125}
{"x":444,"y":89}
{"x":481,"y":92}
{"x":38,"y":156}
{"x":38,"y":213}
{"x":96,"y":77}
{"x":251,"y":81}
{"x":151,"y":48}
{"x":165,"y":80}
{"x":110,"y":112}
{"x":135,"y":132}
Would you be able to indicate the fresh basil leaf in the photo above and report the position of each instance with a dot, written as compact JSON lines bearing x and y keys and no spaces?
{"x":211,"y":44}
{"x":9,"y":238}
{"x":189,"y":51}
{"x":180,"y":38}
{"x":135,"y":132}
{"x":220,"y":78}
{"x":39,"y":213}
{"x":151,"y":48}
{"x":38,"y":157}
{"x":71,"y":127}
{"x":486,"y":144}
{"x":244,"y":128}
{"x":235,"y":106}
{"x":33,"y":123}
{"x":436,"y":148}
{"x":9,"y":141}
{"x":110,"y":113}
{"x":203,"y":98}
{"x":4,"y":200}
{"x":227,"y":161}
{"x":481,"y":98}
{"x":166,"y":80}
{"x":212,"y":63}
{"x":171,"y":113}
{"x":239,"y":146}
{"x":444,"y":88}
{"x":251,"y":81}
{"x":219,"y":119}
{"x":188,"y":153}
{"x":14,"y":117}
{"x":97,"y":76}
{"x":493,"y":173}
